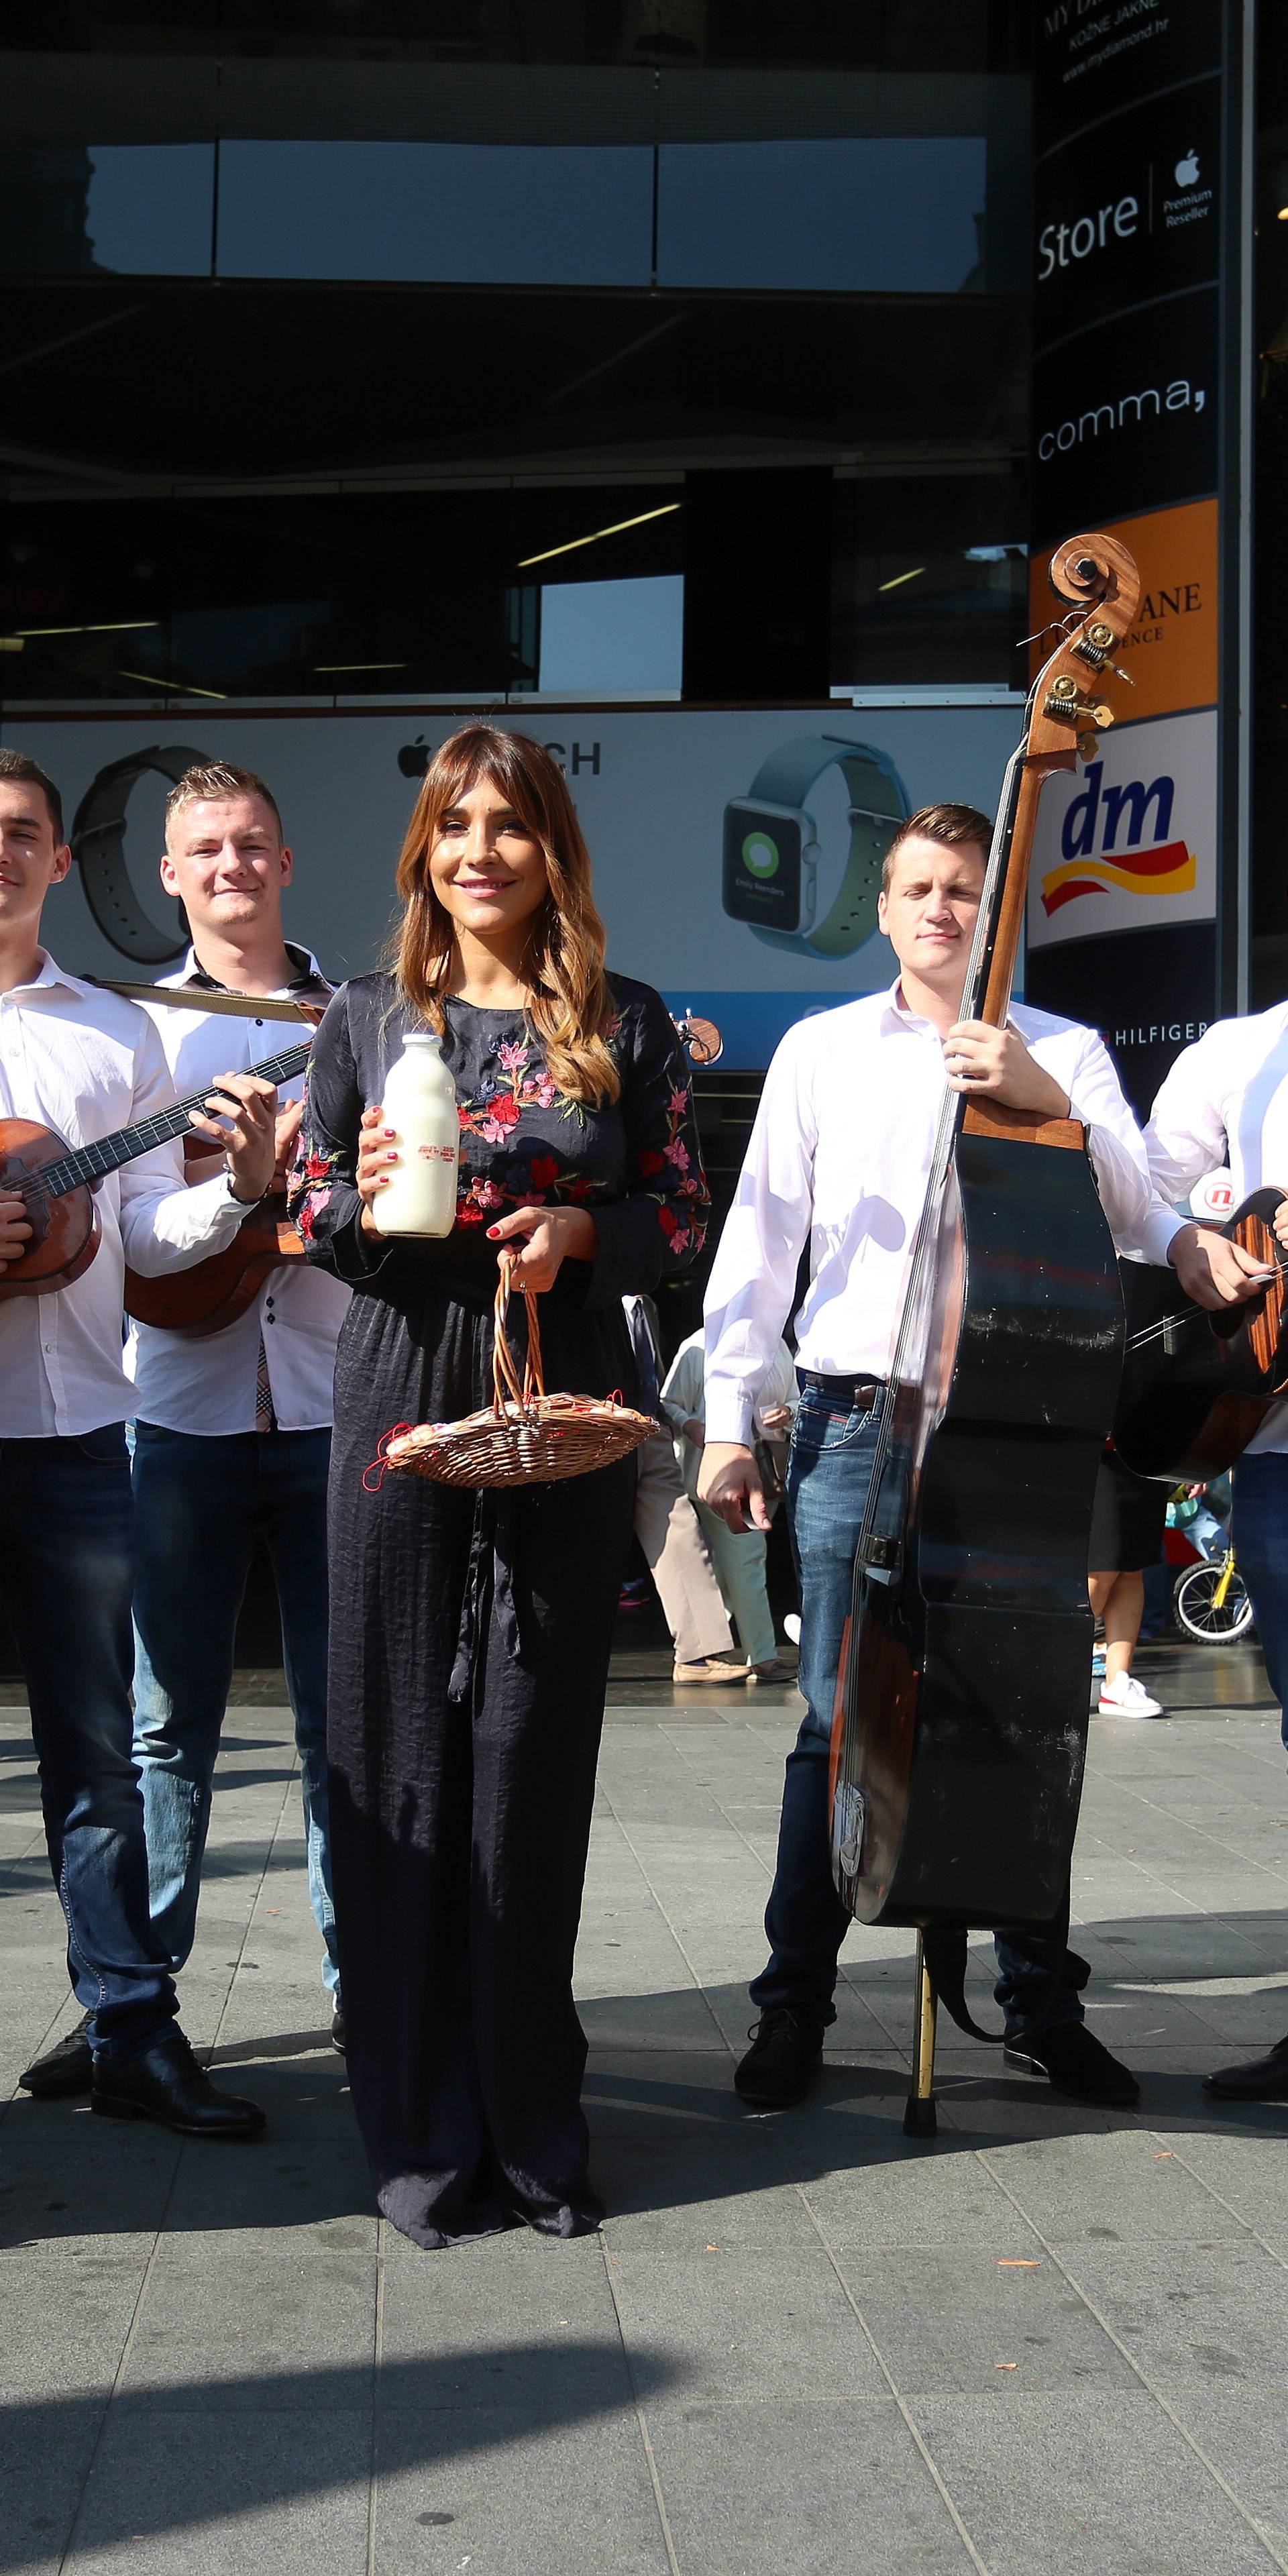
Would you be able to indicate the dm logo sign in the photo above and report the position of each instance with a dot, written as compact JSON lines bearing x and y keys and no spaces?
{"x":1110,"y":837}
{"x":1129,"y":844}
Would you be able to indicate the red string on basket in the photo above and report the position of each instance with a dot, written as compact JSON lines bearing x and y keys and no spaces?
{"x":373,"y":1476}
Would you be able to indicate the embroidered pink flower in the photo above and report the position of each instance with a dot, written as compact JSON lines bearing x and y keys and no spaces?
{"x":512,"y":1055}
{"x":543,"y":1093}
{"x":677,"y":1152}
{"x":678,"y":1103}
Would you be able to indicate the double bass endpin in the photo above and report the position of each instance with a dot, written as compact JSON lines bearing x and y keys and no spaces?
{"x":919,"y":2119}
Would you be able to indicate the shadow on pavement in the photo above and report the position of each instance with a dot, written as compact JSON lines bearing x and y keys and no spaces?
{"x":201,"y":2452}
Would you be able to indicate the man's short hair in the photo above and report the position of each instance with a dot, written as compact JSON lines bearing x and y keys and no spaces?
{"x":955,"y":825}
{"x":20,"y":765}
{"x":218,"y":778}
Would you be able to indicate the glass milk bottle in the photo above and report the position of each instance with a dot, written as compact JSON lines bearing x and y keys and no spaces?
{"x":420,"y":1105}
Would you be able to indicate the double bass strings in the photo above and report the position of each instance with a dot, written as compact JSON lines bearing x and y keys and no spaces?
{"x":951,"y":1107}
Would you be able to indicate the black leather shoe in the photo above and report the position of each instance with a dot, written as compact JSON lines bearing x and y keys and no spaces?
{"x":339,"y":2035}
{"x":165,"y":2083}
{"x":63,"y":2070}
{"x":1263,"y":2079}
{"x":783,"y":2059}
{"x":1076,"y":2062}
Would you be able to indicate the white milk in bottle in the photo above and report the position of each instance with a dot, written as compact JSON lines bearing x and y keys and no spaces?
{"x":420,"y":1105}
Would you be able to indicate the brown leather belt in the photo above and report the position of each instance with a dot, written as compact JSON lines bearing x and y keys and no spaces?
{"x":860,"y":1393}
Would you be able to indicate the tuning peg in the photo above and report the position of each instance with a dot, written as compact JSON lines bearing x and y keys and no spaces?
{"x":1064,"y":702}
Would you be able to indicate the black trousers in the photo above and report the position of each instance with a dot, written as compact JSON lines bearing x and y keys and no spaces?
{"x":470,"y":1638}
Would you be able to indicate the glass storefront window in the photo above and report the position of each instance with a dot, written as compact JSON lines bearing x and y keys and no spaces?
{"x":394,"y":595}
{"x":891,"y":214}
{"x":623,"y":637}
{"x":540,"y":214}
{"x":114,"y":209}
{"x":930,"y":580}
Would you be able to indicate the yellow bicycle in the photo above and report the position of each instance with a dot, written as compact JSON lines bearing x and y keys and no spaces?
{"x":1211,"y":1601}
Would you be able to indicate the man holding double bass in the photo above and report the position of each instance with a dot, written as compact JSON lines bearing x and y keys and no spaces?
{"x":839,"y":1158}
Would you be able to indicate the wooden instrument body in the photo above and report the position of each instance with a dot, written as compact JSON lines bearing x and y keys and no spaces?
{"x":965,"y":1688}
{"x":962,"y":1701}
{"x":65,"y":1231}
{"x":216,"y":1291}
{"x":1197,"y":1387}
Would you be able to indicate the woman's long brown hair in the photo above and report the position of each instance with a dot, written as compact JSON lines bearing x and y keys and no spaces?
{"x":570,"y":1006}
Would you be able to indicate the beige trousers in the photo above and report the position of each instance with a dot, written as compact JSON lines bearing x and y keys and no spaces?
{"x":679,"y":1561}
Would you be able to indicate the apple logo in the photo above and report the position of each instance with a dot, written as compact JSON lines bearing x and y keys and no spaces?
{"x":1187,"y":171}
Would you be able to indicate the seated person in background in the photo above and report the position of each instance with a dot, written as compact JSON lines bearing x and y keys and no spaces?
{"x":668,"y":1531}
{"x":738,"y":1555}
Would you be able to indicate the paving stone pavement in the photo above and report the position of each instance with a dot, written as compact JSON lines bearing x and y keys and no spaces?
{"x":1055,"y":2340}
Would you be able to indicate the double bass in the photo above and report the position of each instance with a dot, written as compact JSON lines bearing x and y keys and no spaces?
{"x":962,"y":1703}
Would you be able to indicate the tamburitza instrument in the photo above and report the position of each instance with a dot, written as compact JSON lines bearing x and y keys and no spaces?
{"x":1197,"y":1386}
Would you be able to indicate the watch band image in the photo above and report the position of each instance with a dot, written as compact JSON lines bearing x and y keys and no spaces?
{"x":772,"y":850}
{"x":98,"y":837}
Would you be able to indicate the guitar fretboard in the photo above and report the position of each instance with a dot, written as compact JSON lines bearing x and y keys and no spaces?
{"x":89,"y":1162}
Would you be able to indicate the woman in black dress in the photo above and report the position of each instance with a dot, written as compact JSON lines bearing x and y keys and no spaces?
{"x":470,"y":1632}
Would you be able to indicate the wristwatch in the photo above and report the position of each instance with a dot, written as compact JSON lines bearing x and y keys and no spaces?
{"x":772,"y":850}
{"x":98,"y":847}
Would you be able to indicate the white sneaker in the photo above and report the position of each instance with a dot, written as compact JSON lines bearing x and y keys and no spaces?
{"x":792,"y":1627}
{"x":1126,"y":1697}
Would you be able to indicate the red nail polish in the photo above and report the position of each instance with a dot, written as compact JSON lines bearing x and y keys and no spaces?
{"x":388,"y":1131}
{"x":492,"y":1231}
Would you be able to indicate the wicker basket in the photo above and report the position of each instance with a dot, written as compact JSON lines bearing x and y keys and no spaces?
{"x":525,"y":1436}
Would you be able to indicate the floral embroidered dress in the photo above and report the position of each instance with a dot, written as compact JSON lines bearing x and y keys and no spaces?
{"x":470,"y":1633}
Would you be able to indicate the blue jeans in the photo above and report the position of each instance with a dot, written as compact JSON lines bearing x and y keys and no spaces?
{"x":199,"y":1504}
{"x":828,"y":1474}
{"x":66,"y":1565}
{"x":1259,"y":1529}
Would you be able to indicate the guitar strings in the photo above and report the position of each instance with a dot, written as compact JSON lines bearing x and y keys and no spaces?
{"x":52,"y":1180}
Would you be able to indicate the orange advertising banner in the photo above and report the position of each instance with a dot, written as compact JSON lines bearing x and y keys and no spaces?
{"x":1171,"y":652}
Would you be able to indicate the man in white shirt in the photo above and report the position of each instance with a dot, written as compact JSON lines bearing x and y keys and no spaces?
{"x":232,"y":1431}
{"x":839,"y":1158}
{"x":1225,"y":1101}
{"x":87,"y":1064}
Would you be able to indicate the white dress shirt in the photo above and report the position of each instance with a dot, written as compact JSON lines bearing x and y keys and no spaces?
{"x":839,"y":1158}
{"x":206,"y":1384}
{"x":1225,"y":1101}
{"x":85,"y":1063}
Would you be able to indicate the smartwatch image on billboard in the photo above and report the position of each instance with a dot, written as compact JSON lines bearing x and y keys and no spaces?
{"x":772,"y":849}
{"x":98,"y":837}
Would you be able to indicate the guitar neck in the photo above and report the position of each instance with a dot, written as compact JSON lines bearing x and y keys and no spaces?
{"x":88,"y":1163}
